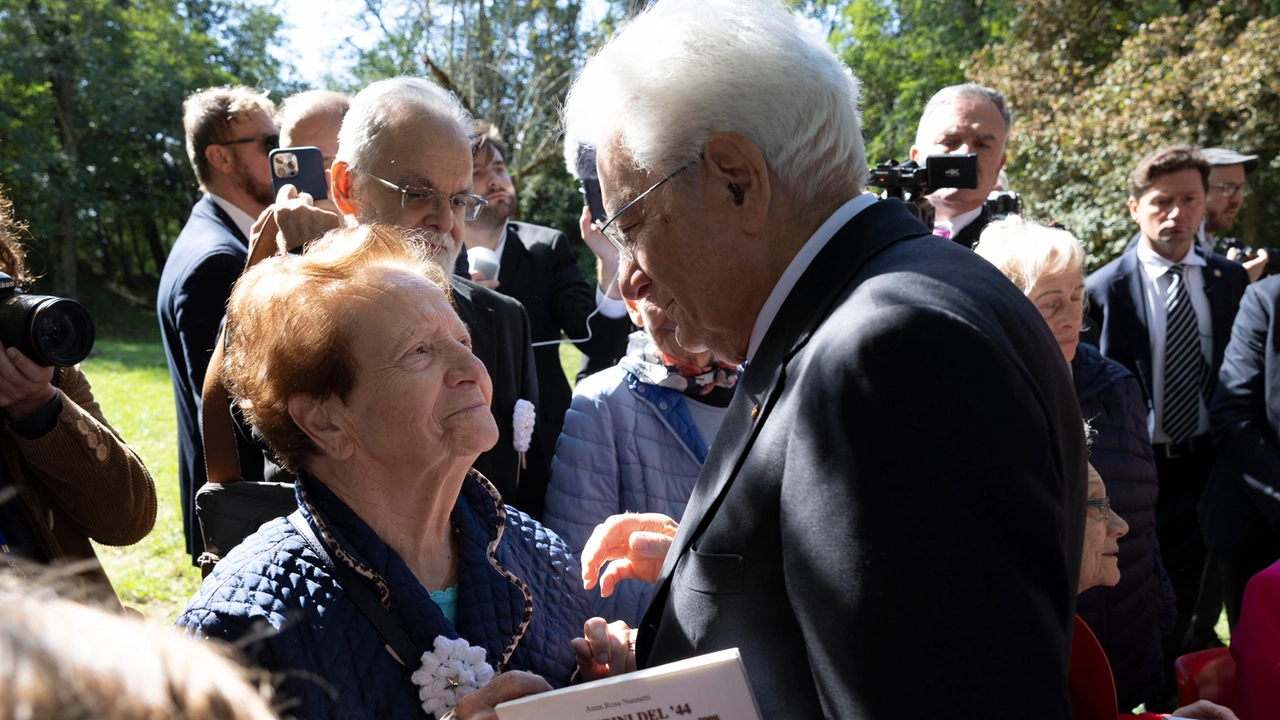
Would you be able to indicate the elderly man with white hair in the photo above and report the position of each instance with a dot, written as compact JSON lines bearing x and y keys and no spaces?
{"x":404,"y":159}
{"x":890,"y":520}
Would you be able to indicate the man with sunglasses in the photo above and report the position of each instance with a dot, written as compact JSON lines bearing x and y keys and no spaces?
{"x":229,"y":131}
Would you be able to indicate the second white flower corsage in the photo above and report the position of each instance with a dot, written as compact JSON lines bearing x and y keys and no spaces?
{"x":452,"y":670}
{"x":522,"y":421}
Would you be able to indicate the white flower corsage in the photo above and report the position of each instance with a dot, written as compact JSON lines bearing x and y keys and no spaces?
{"x":522,"y":421}
{"x":454,"y":669}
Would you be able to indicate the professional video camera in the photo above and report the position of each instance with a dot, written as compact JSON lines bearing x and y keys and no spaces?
{"x":1248,"y":252}
{"x":911,"y":183}
{"x":52,"y":331}
{"x":1002,"y":202}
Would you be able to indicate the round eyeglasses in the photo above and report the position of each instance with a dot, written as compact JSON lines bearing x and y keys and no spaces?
{"x":416,"y":197}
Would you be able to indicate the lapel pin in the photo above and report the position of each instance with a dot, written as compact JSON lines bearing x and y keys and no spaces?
{"x":1217,"y":272}
{"x":755,"y":411}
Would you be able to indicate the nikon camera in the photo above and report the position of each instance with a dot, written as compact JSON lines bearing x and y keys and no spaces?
{"x":52,"y":331}
{"x":910,"y":182}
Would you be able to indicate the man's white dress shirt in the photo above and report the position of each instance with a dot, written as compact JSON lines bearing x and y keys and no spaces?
{"x":1155,"y":285}
{"x":955,"y":225}
{"x":242,"y":219}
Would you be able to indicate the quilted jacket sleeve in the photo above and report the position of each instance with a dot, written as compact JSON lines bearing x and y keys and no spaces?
{"x":585,"y":472}
{"x":98,"y":482}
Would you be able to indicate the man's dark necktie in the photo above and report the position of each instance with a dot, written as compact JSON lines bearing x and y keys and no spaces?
{"x":1185,"y":369}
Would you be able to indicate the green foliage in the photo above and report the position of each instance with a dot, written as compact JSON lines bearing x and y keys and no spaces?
{"x":91,"y":142}
{"x":1096,"y":87}
{"x":904,"y":51}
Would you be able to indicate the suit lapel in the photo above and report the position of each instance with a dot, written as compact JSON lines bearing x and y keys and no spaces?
{"x":1222,"y":312}
{"x":222,"y":217}
{"x":821,"y":285}
{"x":513,"y":259}
{"x":1137,"y":332}
{"x":479,"y":321}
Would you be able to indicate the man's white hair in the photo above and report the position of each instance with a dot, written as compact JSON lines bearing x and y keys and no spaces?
{"x":947,"y":96}
{"x":685,"y":70}
{"x":387,"y":104}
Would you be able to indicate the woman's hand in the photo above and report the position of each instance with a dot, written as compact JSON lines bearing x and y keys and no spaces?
{"x":1205,"y":710}
{"x":605,"y":649}
{"x":24,"y":386}
{"x":508,"y":686}
{"x":634,"y":545}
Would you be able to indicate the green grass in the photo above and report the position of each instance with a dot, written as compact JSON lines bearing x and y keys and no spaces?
{"x":131,"y":381}
{"x":570,"y":357}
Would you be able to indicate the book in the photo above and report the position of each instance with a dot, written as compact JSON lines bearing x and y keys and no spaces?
{"x":708,"y":687}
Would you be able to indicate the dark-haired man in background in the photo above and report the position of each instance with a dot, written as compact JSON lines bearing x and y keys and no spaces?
{"x":1164,"y":310}
{"x":229,"y":131}
{"x":538,"y":268}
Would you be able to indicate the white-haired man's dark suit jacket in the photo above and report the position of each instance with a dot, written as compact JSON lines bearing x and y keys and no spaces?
{"x":889,"y":524}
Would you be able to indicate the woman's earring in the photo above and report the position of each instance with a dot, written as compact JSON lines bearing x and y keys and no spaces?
{"x":738,"y":195}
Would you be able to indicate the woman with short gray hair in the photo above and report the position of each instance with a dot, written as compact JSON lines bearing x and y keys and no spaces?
{"x":1047,"y":264}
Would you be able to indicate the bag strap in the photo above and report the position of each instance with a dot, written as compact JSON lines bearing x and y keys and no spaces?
{"x":393,"y":636}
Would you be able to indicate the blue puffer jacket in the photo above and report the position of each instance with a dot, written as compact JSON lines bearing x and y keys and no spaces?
{"x":626,"y":446}
{"x":1125,"y":618}
{"x":273,"y":581}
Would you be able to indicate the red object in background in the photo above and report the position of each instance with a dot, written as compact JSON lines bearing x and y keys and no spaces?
{"x":1206,"y":675}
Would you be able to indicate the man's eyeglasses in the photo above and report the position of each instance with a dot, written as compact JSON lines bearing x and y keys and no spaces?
{"x":415,"y":197}
{"x":622,"y":242}
{"x":270,"y":141}
{"x":1228,"y":189}
{"x":1103,"y":504}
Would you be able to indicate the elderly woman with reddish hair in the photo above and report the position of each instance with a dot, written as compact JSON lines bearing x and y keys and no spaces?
{"x":402,"y":584}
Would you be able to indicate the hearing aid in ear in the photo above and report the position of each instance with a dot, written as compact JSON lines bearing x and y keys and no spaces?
{"x":738,"y":195}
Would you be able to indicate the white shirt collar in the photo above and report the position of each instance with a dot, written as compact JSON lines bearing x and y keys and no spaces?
{"x":800,"y":263}
{"x":1156,"y":266}
{"x":242,"y":219}
{"x":960,"y":222}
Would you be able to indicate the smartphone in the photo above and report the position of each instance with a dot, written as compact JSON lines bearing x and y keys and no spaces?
{"x":301,"y":167}
{"x":591,"y":192}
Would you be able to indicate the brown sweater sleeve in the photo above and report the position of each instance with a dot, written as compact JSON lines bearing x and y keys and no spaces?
{"x":99,"y":482}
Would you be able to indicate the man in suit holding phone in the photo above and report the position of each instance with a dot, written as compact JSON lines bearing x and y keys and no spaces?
{"x":229,"y":131}
{"x":892,"y":513}
{"x":537,"y":267}
{"x":1164,"y":310}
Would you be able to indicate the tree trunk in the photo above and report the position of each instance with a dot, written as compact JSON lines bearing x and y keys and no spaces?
{"x":62,"y":63}
{"x":152,"y":232}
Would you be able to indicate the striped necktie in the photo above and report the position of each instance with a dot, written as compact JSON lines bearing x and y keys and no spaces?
{"x":1185,"y":369}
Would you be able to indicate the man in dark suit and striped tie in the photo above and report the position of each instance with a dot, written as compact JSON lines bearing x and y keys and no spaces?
{"x":1164,"y":310}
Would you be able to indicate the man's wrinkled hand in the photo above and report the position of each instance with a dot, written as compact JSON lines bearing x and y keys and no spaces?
{"x":293,"y":221}
{"x":634,"y":546}
{"x":605,"y":649}
{"x":24,"y":386}
{"x":508,"y":686}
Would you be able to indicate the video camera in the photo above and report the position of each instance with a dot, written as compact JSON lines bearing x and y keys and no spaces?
{"x":910,"y":183}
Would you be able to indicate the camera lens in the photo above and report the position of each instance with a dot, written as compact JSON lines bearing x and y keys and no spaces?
{"x":61,"y":331}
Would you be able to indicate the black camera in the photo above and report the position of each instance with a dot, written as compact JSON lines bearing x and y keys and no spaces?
{"x":910,"y":182}
{"x":1001,"y":203}
{"x":1248,"y":252}
{"x":52,"y":331}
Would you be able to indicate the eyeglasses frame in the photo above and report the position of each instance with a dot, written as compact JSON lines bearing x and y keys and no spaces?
{"x":1229,"y":190}
{"x":1103,"y":504}
{"x":431,"y":193}
{"x":270,"y":141}
{"x":619,"y":240}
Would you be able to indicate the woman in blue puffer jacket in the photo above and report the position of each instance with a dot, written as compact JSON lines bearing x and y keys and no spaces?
{"x":1048,"y":265}
{"x":634,"y":440}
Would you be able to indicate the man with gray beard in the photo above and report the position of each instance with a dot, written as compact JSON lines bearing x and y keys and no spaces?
{"x":404,"y":158}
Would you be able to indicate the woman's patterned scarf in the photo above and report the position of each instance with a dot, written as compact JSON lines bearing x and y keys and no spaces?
{"x":712,"y":385}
